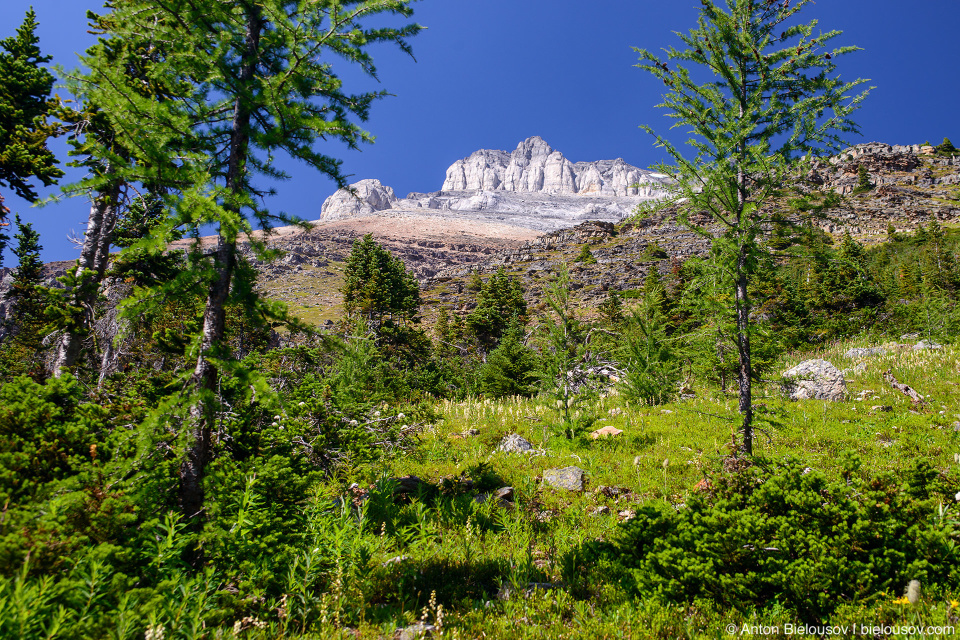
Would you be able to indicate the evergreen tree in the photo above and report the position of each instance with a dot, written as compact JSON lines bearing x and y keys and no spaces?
{"x":755,"y":91}
{"x":586,"y":256}
{"x":946,"y":147}
{"x":565,"y":356}
{"x":510,"y":369}
{"x":25,"y":103}
{"x":475,"y":283}
{"x":20,"y":353}
{"x":611,"y":309}
{"x":499,"y":301}
{"x":863,"y":180}
{"x":650,"y":358}
{"x":376,"y":283}
{"x":245,"y":82}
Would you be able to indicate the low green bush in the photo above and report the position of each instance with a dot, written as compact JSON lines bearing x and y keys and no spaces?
{"x":785,"y":535}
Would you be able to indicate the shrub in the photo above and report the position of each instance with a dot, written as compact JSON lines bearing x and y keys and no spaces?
{"x":586,"y":256}
{"x":783,"y":534}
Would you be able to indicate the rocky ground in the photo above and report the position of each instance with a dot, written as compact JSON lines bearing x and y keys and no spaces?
{"x":443,"y":246}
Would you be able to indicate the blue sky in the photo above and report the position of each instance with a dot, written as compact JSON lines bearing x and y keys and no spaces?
{"x":490,"y":73}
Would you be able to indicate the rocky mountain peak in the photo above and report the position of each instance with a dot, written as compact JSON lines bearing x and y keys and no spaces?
{"x":535,"y":167}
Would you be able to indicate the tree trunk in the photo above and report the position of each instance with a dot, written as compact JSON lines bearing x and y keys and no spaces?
{"x":204,"y":378}
{"x":92,"y":265}
{"x":745,"y":370}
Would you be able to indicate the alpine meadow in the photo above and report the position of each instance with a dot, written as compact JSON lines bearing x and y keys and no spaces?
{"x":715,"y":397}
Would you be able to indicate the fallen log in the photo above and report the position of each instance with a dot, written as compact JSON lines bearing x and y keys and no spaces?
{"x":906,"y":390}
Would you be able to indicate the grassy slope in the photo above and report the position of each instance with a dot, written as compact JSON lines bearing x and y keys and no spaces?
{"x":462,"y":550}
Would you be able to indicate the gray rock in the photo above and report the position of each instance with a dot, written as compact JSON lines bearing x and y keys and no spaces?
{"x":927,"y":344}
{"x":814,"y":379}
{"x":502,"y":497}
{"x":514,"y":443}
{"x":415,"y":631}
{"x":368,"y":196}
{"x":859,"y":353}
{"x":535,"y":167}
{"x":569,"y":478}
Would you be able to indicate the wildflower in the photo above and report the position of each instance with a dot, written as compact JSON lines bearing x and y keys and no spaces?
{"x":902,"y":600}
{"x":954,"y":604}
{"x":958,"y":497}
{"x":636,"y":461}
{"x":666,"y":463}
{"x":154,"y":633}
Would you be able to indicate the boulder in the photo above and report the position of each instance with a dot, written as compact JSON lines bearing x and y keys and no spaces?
{"x":569,"y":478}
{"x":859,"y":353}
{"x":514,"y":443}
{"x":605,"y":432}
{"x":814,"y":380}
{"x":927,"y":344}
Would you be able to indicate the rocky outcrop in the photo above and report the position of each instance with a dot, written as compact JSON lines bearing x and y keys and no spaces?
{"x":535,"y":167}
{"x":366,"y":196}
{"x":814,"y":380}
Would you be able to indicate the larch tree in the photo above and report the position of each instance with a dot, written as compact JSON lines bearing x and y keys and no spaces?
{"x":247,"y":80}
{"x":758,"y":93}
{"x":115,"y":183}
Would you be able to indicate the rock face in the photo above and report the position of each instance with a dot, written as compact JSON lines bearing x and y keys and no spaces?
{"x":815,"y":380}
{"x":535,"y":167}
{"x":368,"y":196}
{"x":569,"y":478}
{"x":534,"y":187}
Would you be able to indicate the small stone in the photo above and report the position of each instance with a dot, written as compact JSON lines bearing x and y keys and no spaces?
{"x":504,"y":493}
{"x":569,"y":478}
{"x":514,"y":443}
{"x":910,"y":336}
{"x":627,"y":514}
{"x":605,"y":432}
{"x":666,"y":411}
{"x":600,"y":511}
{"x":881,"y":408}
{"x":927,"y":344}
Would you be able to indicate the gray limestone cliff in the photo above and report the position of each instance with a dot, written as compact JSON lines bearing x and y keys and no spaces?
{"x":534,"y":186}
{"x":368,"y":196}
{"x":535,"y":167}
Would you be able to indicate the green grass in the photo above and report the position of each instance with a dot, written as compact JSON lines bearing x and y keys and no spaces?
{"x":663,"y":453}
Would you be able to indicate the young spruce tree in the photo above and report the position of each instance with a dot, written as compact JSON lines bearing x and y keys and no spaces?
{"x":756,"y":90}
{"x":25,"y":103}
